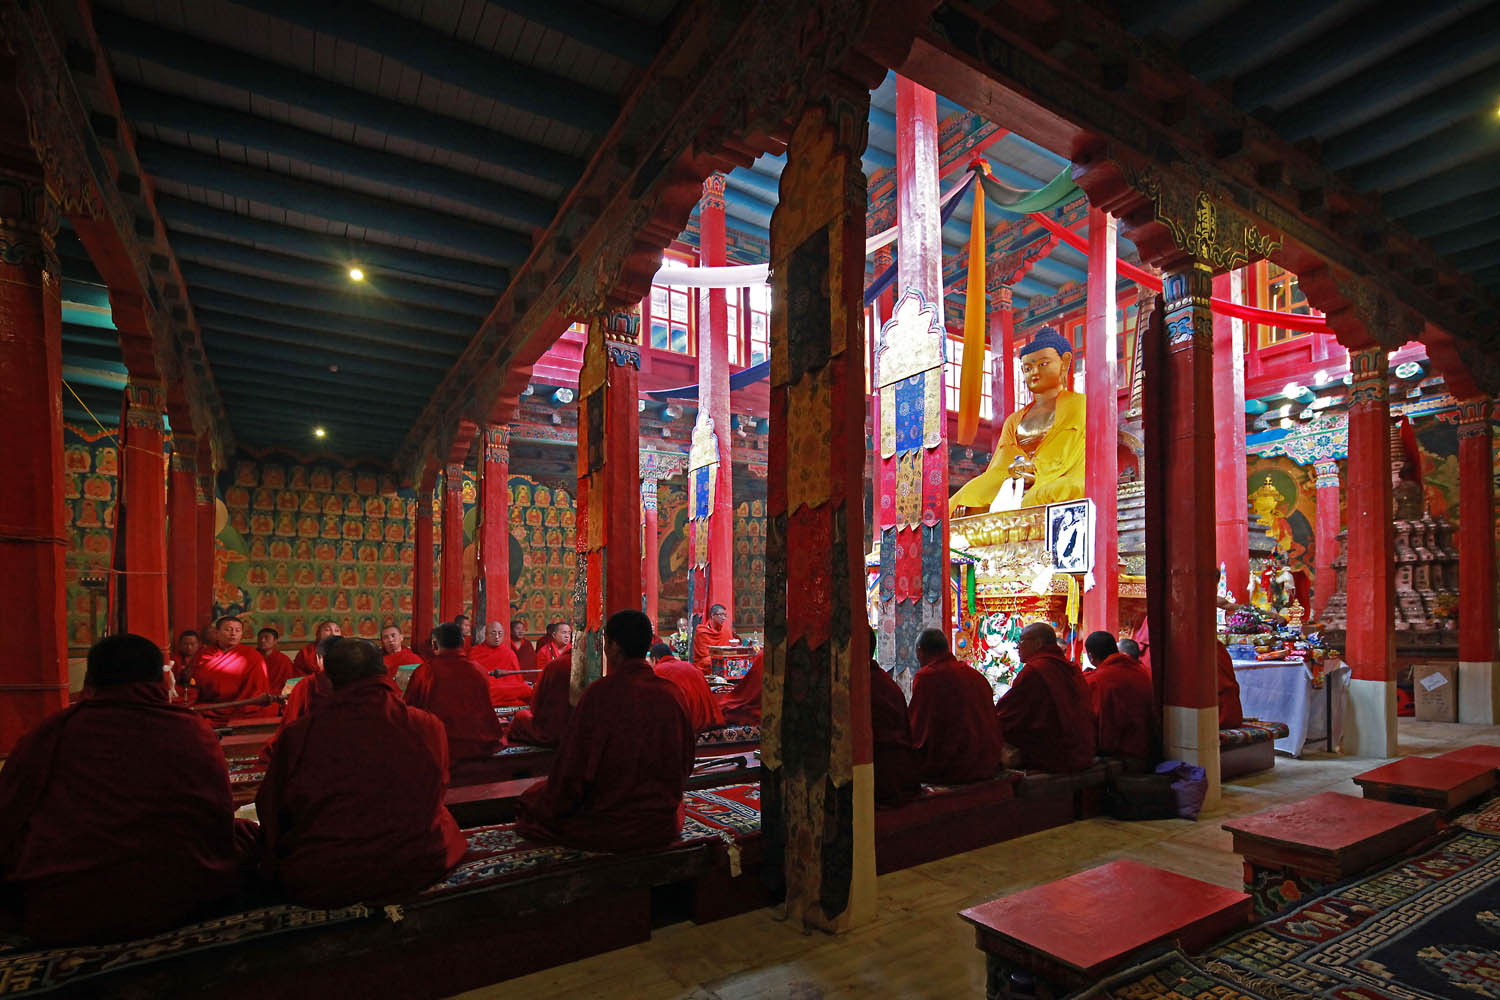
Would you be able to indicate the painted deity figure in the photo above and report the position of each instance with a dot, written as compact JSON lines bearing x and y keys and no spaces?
{"x":1039,"y":459}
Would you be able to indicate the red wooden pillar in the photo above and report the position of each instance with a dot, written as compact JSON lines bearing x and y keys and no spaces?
{"x":713,"y":557}
{"x":182,"y":499}
{"x":1476,"y":563}
{"x":914,"y":536}
{"x":1326,"y":532}
{"x":1370,"y":726}
{"x":650,"y":550}
{"x":817,"y":787}
{"x":208,"y":514}
{"x":34,"y":674}
{"x":1003,"y":348}
{"x":1101,"y":460}
{"x":1181,"y":576}
{"x":1232,"y":510}
{"x":141,"y":514}
{"x":608,"y":531}
{"x":453,"y":542}
{"x":492,"y":532}
{"x":422,"y":569}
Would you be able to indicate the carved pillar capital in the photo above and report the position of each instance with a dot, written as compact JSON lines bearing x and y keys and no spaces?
{"x":1370,"y":371}
{"x":28,"y":221}
{"x":497,"y":443}
{"x":1326,"y":471}
{"x":713,"y":192}
{"x":1189,"y":320}
{"x":1474,"y":416}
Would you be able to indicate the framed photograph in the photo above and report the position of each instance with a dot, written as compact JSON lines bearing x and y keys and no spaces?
{"x":1070,"y":536}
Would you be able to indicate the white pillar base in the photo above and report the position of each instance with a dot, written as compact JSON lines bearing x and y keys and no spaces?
{"x":1192,"y":735}
{"x":1370,"y":722}
{"x":862,"y":894}
{"x":1478,"y":692}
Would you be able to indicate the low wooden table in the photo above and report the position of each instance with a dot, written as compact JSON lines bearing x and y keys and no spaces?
{"x":1433,"y":782}
{"x":1482,"y":753}
{"x":1072,"y":932}
{"x":1294,"y":850}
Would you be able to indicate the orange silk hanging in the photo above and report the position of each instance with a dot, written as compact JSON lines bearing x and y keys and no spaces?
{"x":972,"y":373}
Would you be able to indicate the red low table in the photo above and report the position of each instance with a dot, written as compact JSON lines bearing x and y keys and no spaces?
{"x":1296,"y":849}
{"x":1433,"y":782}
{"x":1482,"y":753}
{"x":1071,"y":932}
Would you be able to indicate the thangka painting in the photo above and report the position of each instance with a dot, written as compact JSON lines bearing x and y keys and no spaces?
{"x":749,"y":552}
{"x":90,"y":476}
{"x":300,"y":542}
{"x":674,"y":549}
{"x":542,"y":561}
{"x":1283,"y":499}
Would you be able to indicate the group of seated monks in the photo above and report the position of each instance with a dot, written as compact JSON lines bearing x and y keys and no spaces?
{"x":116,"y":818}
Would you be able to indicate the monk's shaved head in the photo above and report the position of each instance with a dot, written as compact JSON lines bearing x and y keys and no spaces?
{"x":933,"y":642}
{"x":350,"y":660}
{"x":448,"y":636}
{"x":123,"y":659}
{"x":1039,"y":632}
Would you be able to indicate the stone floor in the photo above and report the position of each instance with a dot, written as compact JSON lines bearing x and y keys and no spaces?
{"x":918,"y":947}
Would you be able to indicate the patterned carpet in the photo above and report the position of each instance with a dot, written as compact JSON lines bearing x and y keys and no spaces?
{"x":497,"y":854}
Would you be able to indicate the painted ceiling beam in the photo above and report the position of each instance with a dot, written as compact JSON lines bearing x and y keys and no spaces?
{"x":319,"y":346}
{"x":238,"y":351}
{"x":1032,"y":288}
{"x":1466,"y":181}
{"x":442,"y":57}
{"x":1456,"y":241}
{"x":95,"y":354}
{"x":337,"y":251}
{"x":331,"y":277}
{"x":1458,"y":50}
{"x":325,"y":201}
{"x":100,"y":378}
{"x":1483,"y":257}
{"x":525,"y":210}
{"x":1473,"y":95}
{"x":749,"y":209}
{"x":1055,"y":272}
{"x":226,"y":66}
{"x":763,"y":187}
{"x":1452,"y":147}
{"x":1455,"y":214}
{"x":1256,"y":33}
{"x":383,"y":316}
{"x":594,"y":25}
{"x":1366,"y":38}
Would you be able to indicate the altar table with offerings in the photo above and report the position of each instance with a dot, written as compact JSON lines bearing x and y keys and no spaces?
{"x":1284,"y":690}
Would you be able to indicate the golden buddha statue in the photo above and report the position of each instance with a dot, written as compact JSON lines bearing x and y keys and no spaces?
{"x":1039,"y":459}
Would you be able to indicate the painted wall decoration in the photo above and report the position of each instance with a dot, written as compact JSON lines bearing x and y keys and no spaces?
{"x":302,"y":541}
{"x":90,"y":477}
{"x":1284,"y":500}
{"x":543,"y":560}
{"x":749,"y":552}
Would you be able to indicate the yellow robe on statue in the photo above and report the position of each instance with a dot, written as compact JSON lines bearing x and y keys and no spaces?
{"x":1058,"y":459}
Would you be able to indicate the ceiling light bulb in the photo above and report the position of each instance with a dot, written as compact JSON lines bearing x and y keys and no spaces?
{"x":355,"y":274}
{"x":319,"y":432}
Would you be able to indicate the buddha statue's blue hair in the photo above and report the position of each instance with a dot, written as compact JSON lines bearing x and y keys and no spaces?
{"x":1047,"y":337}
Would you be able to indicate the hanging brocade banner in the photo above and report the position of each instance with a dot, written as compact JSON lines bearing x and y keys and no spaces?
{"x":703,"y":483}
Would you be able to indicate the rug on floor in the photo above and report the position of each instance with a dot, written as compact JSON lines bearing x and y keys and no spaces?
{"x":1176,"y":976}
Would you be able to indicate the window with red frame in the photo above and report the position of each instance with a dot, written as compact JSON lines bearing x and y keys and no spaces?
{"x":732,"y":297}
{"x":952,"y":373}
{"x":1278,"y":290}
{"x":758,"y":316}
{"x":667,"y":314}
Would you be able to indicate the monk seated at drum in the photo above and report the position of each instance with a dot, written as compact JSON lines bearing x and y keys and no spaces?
{"x":741,"y":703}
{"x":1046,"y":714}
{"x":352,"y":804}
{"x":451,"y":687}
{"x":616,"y":783}
{"x":713,"y":632}
{"x":115,"y":814}
{"x":1039,"y":458}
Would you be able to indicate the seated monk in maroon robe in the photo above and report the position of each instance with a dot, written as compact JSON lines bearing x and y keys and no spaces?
{"x":1046,"y":714}
{"x":544,"y":723}
{"x":559,"y":642}
{"x":115,"y":813}
{"x":897,"y":765}
{"x":228,"y":671}
{"x":1230,"y":712}
{"x":616,"y":783}
{"x":495,"y":657}
{"x":451,"y":687}
{"x":304,"y":664}
{"x":307,"y":693}
{"x":703,"y":709}
{"x":278,"y":665}
{"x":522,"y":647}
{"x":352,"y":803}
{"x":741,"y":703}
{"x":953,"y":724}
{"x":396,"y":655}
{"x":1121,"y":696}
{"x":713,"y":632}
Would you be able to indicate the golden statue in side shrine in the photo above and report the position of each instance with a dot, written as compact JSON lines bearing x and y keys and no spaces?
{"x":1039,"y":459}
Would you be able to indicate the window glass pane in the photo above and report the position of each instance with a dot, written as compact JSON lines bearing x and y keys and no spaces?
{"x":659,"y":336}
{"x":658,"y":301}
{"x":679,"y":339}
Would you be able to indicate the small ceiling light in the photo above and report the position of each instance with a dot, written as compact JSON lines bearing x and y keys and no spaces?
{"x":319,"y":432}
{"x":1291,"y":390}
{"x":355,"y":274}
{"x":1321,"y":378}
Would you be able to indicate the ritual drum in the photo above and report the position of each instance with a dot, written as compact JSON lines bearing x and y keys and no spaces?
{"x":730,"y":663}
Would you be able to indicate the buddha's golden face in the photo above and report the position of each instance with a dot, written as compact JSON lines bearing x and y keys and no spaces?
{"x":1045,"y":370}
